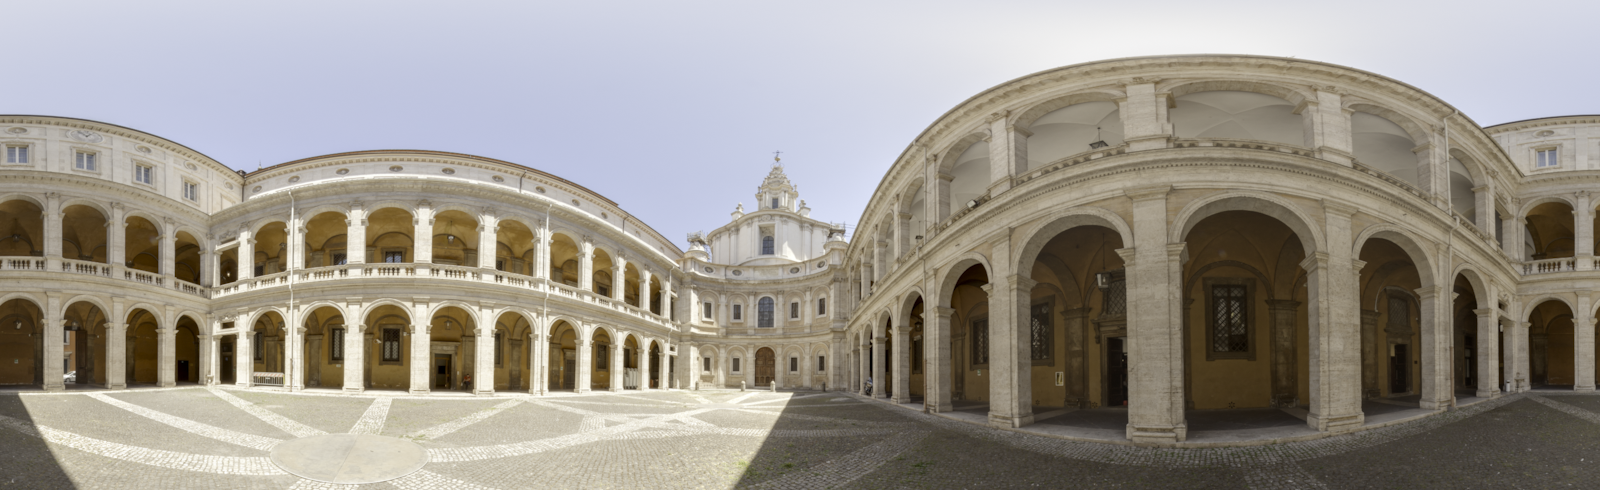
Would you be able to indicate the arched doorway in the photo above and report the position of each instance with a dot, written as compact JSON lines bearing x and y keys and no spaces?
{"x":765,"y":366}
{"x":563,"y":357}
{"x":85,"y":344}
{"x":22,"y":340}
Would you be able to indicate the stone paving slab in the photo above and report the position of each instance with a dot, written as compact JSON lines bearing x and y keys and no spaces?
{"x":332,"y":414}
{"x":522,"y":422}
{"x":84,"y":415}
{"x":408,"y":416}
{"x":203,"y":407}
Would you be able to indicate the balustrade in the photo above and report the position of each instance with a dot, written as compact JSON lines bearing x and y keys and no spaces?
{"x":1548,"y":266}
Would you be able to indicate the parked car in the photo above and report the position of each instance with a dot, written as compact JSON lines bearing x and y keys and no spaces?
{"x":71,"y":377}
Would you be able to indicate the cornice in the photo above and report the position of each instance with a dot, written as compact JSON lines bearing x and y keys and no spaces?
{"x":1541,"y":122}
{"x":124,"y":132}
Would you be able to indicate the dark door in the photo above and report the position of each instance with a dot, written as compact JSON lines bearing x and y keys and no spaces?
{"x":1470,"y":379}
{"x":441,"y":371}
{"x":1116,"y":372}
{"x":569,"y":371}
{"x":764,"y":367}
{"x":1400,"y":369}
{"x":183,"y":370}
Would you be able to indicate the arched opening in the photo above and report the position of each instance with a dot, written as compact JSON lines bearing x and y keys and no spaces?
{"x":228,"y":266}
{"x":186,"y":351}
{"x":917,"y":358}
{"x":1466,"y":341}
{"x":514,"y":248}
{"x":630,"y":284}
{"x":142,"y":245}
{"x":656,"y":371}
{"x":271,"y":249}
{"x":511,"y":352}
{"x":21,"y":229}
{"x":325,"y":240}
{"x":85,"y":331}
{"x":1077,"y":321}
{"x":655,"y":294}
{"x":602,"y":280}
{"x":228,"y":355}
{"x":1073,"y":130}
{"x":886,"y":385}
{"x":455,"y":239}
{"x":390,"y":233}
{"x":142,"y":344}
{"x":1391,"y":321}
{"x":605,"y":367}
{"x":969,"y":341}
{"x":631,"y":354}
{"x":451,"y":351}
{"x":83,"y":234}
{"x":1236,"y":115}
{"x":563,"y":357}
{"x":268,"y":350}
{"x":1550,"y":233}
{"x":22,"y":341}
{"x":969,"y":176}
{"x":1246,"y":330}
{"x":913,"y":204}
{"x":325,"y":346}
{"x":564,"y":260}
{"x":388,"y":354}
{"x":1551,"y":348}
{"x":186,"y":259}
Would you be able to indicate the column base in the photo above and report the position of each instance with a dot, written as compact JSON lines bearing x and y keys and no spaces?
{"x":1005,"y":422}
{"x":1583,"y":388}
{"x":581,"y":390}
{"x":416,"y":391}
{"x":124,"y":386}
{"x":55,"y":387}
{"x":1335,"y":424}
{"x":616,"y":389}
{"x":242,"y":384}
{"x":353,"y":391}
{"x":1488,"y":393}
{"x":1158,"y":434}
{"x":483,"y":392}
{"x":168,"y":384}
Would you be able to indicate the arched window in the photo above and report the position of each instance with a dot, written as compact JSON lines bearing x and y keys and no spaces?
{"x":766,"y":245}
{"x":764,"y":318}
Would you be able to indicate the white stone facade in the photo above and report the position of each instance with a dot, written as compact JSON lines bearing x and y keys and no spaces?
{"x":1048,"y":230}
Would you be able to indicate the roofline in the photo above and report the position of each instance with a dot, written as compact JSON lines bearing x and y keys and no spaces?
{"x":1487,"y":128}
{"x":169,"y":140}
{"x":516,"y":166}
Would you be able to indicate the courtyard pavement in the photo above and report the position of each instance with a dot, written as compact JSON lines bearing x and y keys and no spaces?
{"x":220,"y":437}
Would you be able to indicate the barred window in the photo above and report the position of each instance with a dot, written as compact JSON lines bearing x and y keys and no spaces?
{"x":764,"y":313}
{"x":822,"y":306}
{"x":1399,"y":314}
{"x":794,"y":364}
{"x":1229,"y":309}
{"x":766,"y":245}
{"x":391,"y":345}
{"x":257,"y":345}
{"x":980,"y":342}
{"x":1042,"y":333}
{"x":336,"y":345}
{"x":735,"y":364}
{"x":602,"y":356}
{"x":499,"y":346}
{"x":794,"y":310}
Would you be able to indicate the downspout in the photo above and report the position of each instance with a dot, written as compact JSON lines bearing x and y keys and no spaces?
{"x":288,"y":375}
{"x":544,"y":310}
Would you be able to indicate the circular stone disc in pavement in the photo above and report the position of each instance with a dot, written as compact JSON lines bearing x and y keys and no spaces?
{"x":349,"y":458}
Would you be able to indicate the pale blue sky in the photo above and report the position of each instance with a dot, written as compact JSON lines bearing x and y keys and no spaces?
{"x":672,"y":109}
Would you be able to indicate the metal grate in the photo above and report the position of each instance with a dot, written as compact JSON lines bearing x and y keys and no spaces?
{"x":1228,"y":309}
{"x":1115,"y":298}
{"x":1042,"y":333}
{"x":980,"y":342}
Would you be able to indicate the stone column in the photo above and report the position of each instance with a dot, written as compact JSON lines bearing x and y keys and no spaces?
{"x":878,"y":368}
{"x":586,"y":265}
{"x":1583,"y":344}
{"x":644,"y":291}
{"x":618,"y":371}
{"x":1483,"y":205}
{"x":294,"y":355}
{"x":355,"y":251}
{"x":1332,"y":292}
{"x":421,"y":353}
{"x":619,"y":279}
{"x":1488,"y":351}
{"x":312,"y":360}
{"x":208,"y":359}
{"x":169,"y":244}
{"x":902,"y":230}
{"x":541,"y":253}
{"x":1436,"y":337}
{"x":1074,"y":326}
{"x":940,"y":203}
{"x":1285,"y":368}
{"x":862,"y":369}
{"x":1511,"y":237}
{"x":691,"y":372}
{"x":1154,"y":292}
{"x":117,"y":240}
{"x":1010,"y":360}
{"x":296,"y":257}
{"x":644,"y":366}
{"x":513,"y":364}
{"x":1522,"y":373}
{"x":422,"y":247}
{"x":539,"y":364}
{"x":1329,"y":126}
{"x":1583,"y":239}
{"x":936,"y":378}
{"x":489,"y":251}
{"x":581,"y":381}
{"x":354,"y":360}
{"x":1144,"y":123}
{"x":246,"y":255}
{"x":244,"y":358}
{"x":1432,"y":178}
{"x":721,"y":367}
{"x":210,"y":268}
{"x":116,"y":355}
{"x":902,"y":364}
{"x":166,"y":357}
{"x":483,"y":364}
{"x":1369,"y":353}
{"x":52,"y":255}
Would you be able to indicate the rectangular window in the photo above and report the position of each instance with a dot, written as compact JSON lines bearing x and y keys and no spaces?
{"x":394,"y":257}
{"x":1042,"y":334}
{"x":980,"y":342}
{"x":1229,"y":311}
{"x":738,"y":312}
{"x":707,"y":362}
{"x":794,"y":310}
{"x":766,"y":245}
{"x":736,"y":364}
{"x":144,"y":174}
{"x":191,"y":191}
{"x":336,"y":345}
{"x":85,"y":161}
{"x":499,"y":348}
{"x":822,"y":306}
{"x":1399,"y":314}
{"x":706,"y":311}
{"x":794,"y":364}
{"x":16,"y":154}
{"x":391,"y":345}
{"x":256,"y":346}
{"x":822,"y":363}
{"x":774,"y":203}
{"x":601,"y":358}
{"x":1547,"y":158}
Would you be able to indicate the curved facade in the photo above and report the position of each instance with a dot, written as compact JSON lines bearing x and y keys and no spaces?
{"x":1165,"y":234}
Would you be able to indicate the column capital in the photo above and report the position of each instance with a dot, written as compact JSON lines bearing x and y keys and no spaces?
{"x":1147,"y":193}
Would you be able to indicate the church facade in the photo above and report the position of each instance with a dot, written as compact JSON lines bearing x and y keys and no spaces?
{"x":1159,"y":236}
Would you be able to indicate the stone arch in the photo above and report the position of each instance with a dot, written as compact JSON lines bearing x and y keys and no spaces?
{"x":85,"y":202}
{"x":1475,"y":279}
{"x":472,"y":311}
{"x":257,"y":225}
{"x":97,"y":301}
{"x":368,"y":308}
{"x":161,"y":225}
{"x":1026,"y":117}
{"x":950,"y":274}
{"x":18,"y":196}
{"x":1406,"y":241}
{"x":410,"y":208}
{"x":1035,"y":239}
{"x":256,"y":315}
{"x":1276,"y":207}
{"x":307,"y":309}
{"x":1419,"y":135}
{"x":948,"y":159}
{"x":1529,"y":204}
{"x":341,"y":210}
{"x":23,"y":296}
{"x":162,"y":322}
{"x":475,"y":212}
{"x":1531,"y":305}
{"x":1188,"y":283}
{"x":1179,"y":88}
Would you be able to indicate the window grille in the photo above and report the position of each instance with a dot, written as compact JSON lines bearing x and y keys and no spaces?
{"x":766,"y":245}
{"x":706,"y":311}
{"x":602,"y":357}
{"x":1229,"y":306}
{"x":735,"y":364}
{"x":764,"y":313}
{"x":499,"y":342}
{"x":257,"y":346}
{"x":394,"y":257}
{"x":707,"y":362}
{"x":391,"y":345}
{"x":980,"y":342}
{"x":1042,"y":333}
{"x":336,"y":345}
{"x":794,"y":310}
{"x":1399,"y":314}
{"x":794,"y":364}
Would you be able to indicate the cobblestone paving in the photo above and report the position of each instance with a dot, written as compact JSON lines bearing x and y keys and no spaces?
{"x":218,"y":438}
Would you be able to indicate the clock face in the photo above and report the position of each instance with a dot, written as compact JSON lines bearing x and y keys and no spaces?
{"x":85,"y":135}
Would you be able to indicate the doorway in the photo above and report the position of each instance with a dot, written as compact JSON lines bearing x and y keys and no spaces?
{"x":441,"y":369}
{"x":1399,"y":369}
{"x":765,"y":360}
{"x":1116,"y":372}
{"x":183,"y":370}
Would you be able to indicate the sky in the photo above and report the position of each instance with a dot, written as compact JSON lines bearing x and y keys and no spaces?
{"x":673,"y":109}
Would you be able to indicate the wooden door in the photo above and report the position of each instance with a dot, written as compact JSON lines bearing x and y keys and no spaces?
{"x":764,"y":367}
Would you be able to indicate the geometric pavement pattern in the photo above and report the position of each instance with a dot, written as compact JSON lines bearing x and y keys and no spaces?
{"x":219,"y":438}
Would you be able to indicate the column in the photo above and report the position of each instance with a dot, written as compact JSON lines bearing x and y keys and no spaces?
{"x":584,"y":364}
{"x":1369,"y":353}
{"x":1154,"y":289}
{"x":1483,"y":204}
{"x":1011,"y":361}
{"x":1332,"y":291}
{"x":421,"y":351}
{"x":208,"y":359}
{"x":937,"y":378}
{"x":422,"y":248}
{"x":483,"y":362}
{"x":246,"y":255}
{"x":1518,"y":364}
{"x":721,"y":368}
{"x":1285,"y":374}
{"x":296,"y":258}
{"x":117,"y":240}
{"x":586,"y":265}
{"x":619,"y":279}
{"x":644,"y":291}
{"x":1074,"y":326}
{"x":294,"y":355}
{"x":862,"y":369}
{"x":902,"y":230}
{"x":902,"y":363}
{"x":210,"y":268}
{"x":166,"y":357}
{"x":169,"y":244}
{"x":52,"y":255}
{"x":538,"y":363}
{"x":878,"y":368}
{"x":1329,"y":125}
{"x":1583,"y":344}
{"x":1488,"y":351}
{"x":513,"y":363}
{"x":617,"y":365}
{"x":312,"y":360}
{"x":488,"y":253}
{"x":1437,"y":336}
{"x":691,"y":372}
{"x":1432,"y":163}
{"x":1583,"y":239}
{"x":1511,"y":237}
{"x":666,"y":295}
{"x":1144,"y":126}
{"x":354,"y":360}
{"x":355,"y":251}
{"x":244,"y":358}
{"x":1008,"y":152}
{"x":116,"y":355}
{"x":644,"y":366}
